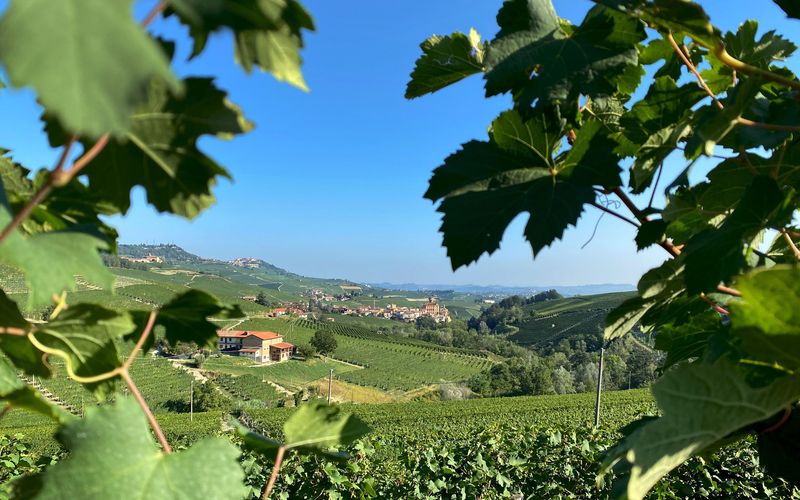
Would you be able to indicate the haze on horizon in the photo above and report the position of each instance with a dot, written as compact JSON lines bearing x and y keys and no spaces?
{"x":330,"y":183}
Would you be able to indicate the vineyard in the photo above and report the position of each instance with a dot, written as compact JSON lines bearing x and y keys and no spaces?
{"x":389,"y":363}
{"x":541,"y":447}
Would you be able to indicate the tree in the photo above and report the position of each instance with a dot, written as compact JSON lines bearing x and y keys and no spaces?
{"x":261,"y":299}
{"x":324,"y":341}
{"x":722,"y":306}
{"x":426,"y":322}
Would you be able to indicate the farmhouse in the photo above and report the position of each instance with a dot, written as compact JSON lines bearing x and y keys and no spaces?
{"x":263,"y":347}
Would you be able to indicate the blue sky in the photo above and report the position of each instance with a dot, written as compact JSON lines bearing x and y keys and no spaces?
{"x":330,"y":182}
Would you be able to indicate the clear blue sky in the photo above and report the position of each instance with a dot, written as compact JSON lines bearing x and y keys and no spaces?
{"x":330,"y":183}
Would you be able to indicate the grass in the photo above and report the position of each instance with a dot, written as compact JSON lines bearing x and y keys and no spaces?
{"x":291,"y":374}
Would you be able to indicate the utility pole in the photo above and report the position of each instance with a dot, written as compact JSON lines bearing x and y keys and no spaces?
{"x":599,"y":387}
{"x":330,"y":385}
{"x":191,"y":401}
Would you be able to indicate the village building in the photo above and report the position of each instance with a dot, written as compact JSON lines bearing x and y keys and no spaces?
{"x":262,"y":347}
{"x":150,"y":259}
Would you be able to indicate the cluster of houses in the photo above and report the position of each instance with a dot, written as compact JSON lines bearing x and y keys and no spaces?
{"x":438,"y":312}
{"x":262,"y":347}
{"x":150,"y":259}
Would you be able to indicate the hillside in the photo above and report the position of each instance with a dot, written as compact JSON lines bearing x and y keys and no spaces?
{"x":542,"y":325}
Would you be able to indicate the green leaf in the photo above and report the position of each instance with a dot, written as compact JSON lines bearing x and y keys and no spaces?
{"x":664,"y":105}
{"x":51,"y":260}
{"x":677,"y":16}
{"x":113,"y":446}
{"x":267,"y":33}
{"x":767,"y":319}
{"x":713,"y":124}
{"x":760,"y":53}
{"x":592,"y":61}
{"x":72,"y":206}
{"x":160,"y":152}
{"x":90,"y":69}
{"x":319,"y":426}
{"x":660,"y":48}
{"x":701,"y":404}
{"x":185,"y":318}
{"x":486,"y":184}
{"x":312,"y":428}
{"x":444,"y":61}
{"x":791,"y":7}
{"x":715,"y":255}
{"x":16,"y":394}
{"x":17,"y":348}
{"x":688,"y":340}
{"x":652,"y":153}
{"x":650,"y":233}
{"x":84,"y":336}
{"x":777,"y":449}
{"x":624,"y":317}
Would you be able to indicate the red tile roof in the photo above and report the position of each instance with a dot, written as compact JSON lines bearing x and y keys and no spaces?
{"x":264,"y":335}
{"x":282,"y":345}
{"x":248,"y":350}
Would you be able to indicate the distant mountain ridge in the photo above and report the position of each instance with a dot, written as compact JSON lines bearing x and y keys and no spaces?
{"x":566,"y":290}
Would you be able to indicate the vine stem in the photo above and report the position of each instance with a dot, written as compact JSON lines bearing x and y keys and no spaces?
{"x":615,"y":214}
{"x":791,"y":244}
{"x":693,"y":69}
{"x":59,"y":176}
{"x":274,"y":476}
{"x":734,"y":63}
{"x":126,"y":376}
{"x":671,"y":248}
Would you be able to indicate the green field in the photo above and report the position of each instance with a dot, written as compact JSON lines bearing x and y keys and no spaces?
{"x":292,"y":374}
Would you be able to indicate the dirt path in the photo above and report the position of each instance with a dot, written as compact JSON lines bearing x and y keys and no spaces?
{"x":280,"y":388}
{"x":194,"y":372}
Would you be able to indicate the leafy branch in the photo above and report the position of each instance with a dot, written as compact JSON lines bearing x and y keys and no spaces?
{"x":61,"y":176}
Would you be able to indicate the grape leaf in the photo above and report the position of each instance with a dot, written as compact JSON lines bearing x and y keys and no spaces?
{"x":444,"y":61}
{"x":160,"y":152}
{"x":51,"y":260}
{"x":267,"y":33}
{"x":791,"y":7}
{"x":91,"y":68}
{"x":321,"y":426}
{"x":686,"y":428}
{"x":592,"y":61}
{"x":72,"y":206}
{"x":664,"y":105}
{"x":760,"y":53}
{"x":715,"y":255}
{"x":650,"y":233}
{"x":207,"y":16}
{"x":768,"y":319}
{"x":114,"y":447}
{"x":185,"y":319}
{"x":16,"y":347}
{"x":312,"y":428}
{"x":486,"y":184}
{"x":84,"y":336}
{"x":712,"y":124}
{"x":16,"y":394}
{"x":676,"y":16}
{"x":687,"y":340}
{"x":777,"y":449}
